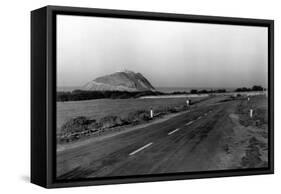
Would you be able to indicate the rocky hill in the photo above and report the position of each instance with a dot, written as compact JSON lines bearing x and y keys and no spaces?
{"x":120,"y":81}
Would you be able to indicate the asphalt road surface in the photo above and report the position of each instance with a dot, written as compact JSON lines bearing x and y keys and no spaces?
{"x":192,"y":141}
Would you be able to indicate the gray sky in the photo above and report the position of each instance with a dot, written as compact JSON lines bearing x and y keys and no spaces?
{"x":168,"y":54}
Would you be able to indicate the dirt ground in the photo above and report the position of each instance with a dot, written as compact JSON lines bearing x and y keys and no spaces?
{"x":247,"y":144}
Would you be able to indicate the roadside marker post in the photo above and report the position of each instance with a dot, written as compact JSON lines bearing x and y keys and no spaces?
{"x":251,"y":113}
{"x":187,"y":103}
{"x":151,"y":113}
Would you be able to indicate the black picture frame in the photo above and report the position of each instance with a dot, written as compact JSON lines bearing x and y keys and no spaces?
{"x":43,"y":94}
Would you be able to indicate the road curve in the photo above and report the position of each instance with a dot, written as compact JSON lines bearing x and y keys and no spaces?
{"x":188,"y":142}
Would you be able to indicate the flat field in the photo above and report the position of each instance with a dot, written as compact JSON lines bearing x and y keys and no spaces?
{"x":96,"y":109}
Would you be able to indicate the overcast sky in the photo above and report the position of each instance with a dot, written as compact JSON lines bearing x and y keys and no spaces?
{"x":168,"y":54}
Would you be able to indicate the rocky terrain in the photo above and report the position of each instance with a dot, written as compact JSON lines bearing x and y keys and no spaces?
{"x":120,"y":81}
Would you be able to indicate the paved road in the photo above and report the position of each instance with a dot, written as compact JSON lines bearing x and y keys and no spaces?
{"x":188,"y":142}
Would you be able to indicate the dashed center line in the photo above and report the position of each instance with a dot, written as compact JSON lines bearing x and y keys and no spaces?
{"x":190,"y":122}
{"x":140,"y":149}
{"x":170,"y":133}
{"x":173,"y":131}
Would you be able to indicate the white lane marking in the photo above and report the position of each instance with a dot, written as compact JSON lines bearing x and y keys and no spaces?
{"x":140,"y":149}
{"x":199,"y":118}
{"x":190,"y":122}
{"x":173,"y":131}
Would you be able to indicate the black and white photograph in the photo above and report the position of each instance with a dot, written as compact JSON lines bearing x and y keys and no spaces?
{"x":150,"y":97}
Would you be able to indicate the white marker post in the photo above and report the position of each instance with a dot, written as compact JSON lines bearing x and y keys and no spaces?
{"x":151,"y":113}
{"x":187,"y":103}
{"x":248,"y":99}
{"x":251,"y":113}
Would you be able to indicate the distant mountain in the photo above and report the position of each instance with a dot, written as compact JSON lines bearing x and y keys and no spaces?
{"x":120,"y":81}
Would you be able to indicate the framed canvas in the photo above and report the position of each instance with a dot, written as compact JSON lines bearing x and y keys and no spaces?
{"x":126,"y":96}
